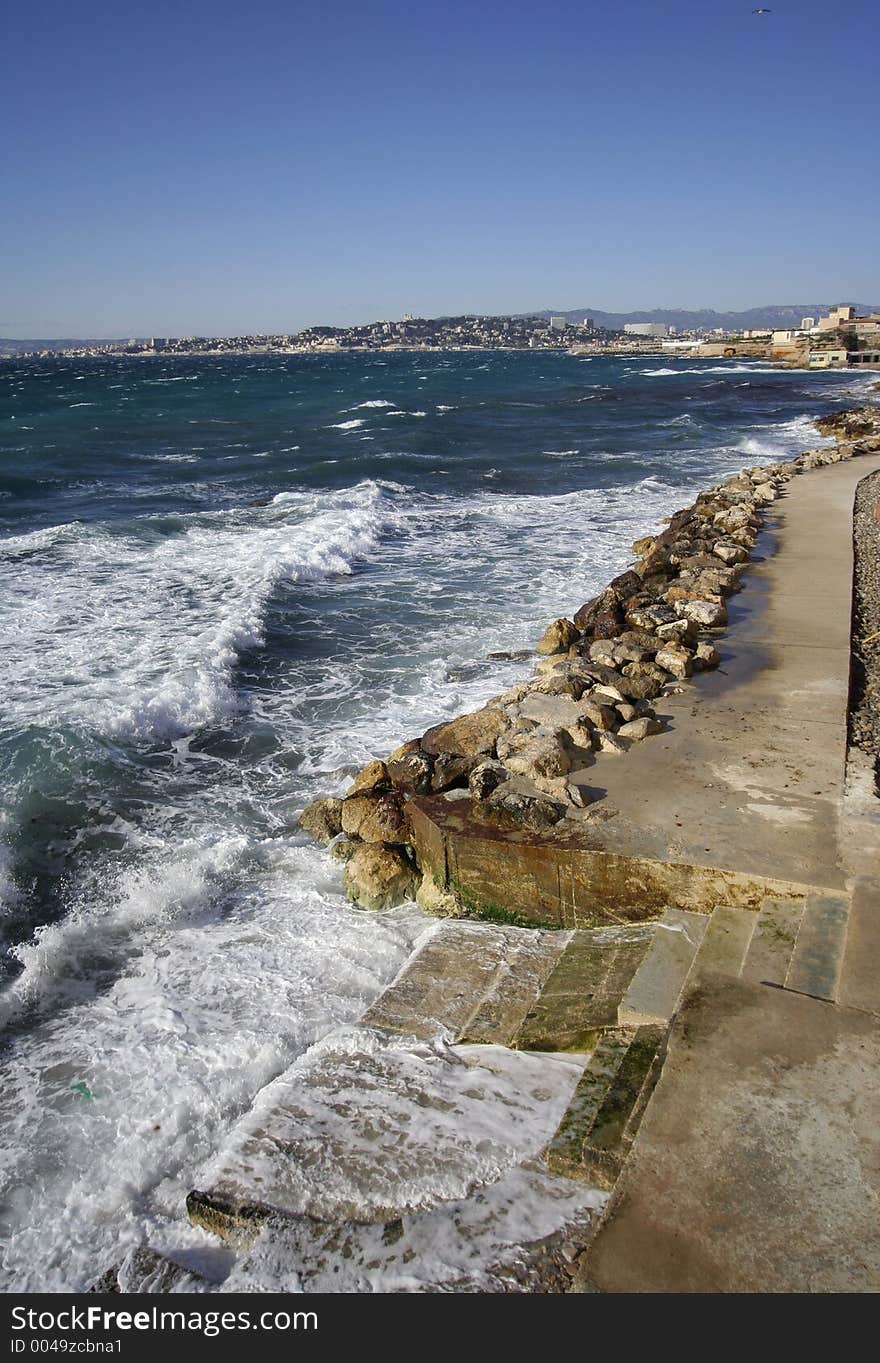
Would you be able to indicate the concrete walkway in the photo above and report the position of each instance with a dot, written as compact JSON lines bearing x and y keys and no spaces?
{"x":750,"y":776}
{"x":756,"y":1167}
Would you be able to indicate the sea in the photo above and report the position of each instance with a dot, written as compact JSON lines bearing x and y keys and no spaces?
{"x":225,"y":584}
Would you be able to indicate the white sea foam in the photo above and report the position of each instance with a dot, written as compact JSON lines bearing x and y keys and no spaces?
{"x":139,"y":637}
{"x":109,"y":1107}
{"x":373,"y":402}
{"x":348,"y":425}
{"x":709,"y":369}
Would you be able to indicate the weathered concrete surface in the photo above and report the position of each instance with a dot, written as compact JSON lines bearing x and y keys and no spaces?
{"x":860,"y":976}
{"x":756,"y":1167}
{"x":741,"y":796}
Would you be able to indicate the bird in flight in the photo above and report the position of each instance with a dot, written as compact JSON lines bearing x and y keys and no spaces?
{"x":762,"y":11}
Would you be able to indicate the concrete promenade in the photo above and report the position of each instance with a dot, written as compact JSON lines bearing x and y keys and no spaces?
{"x":756,"y":1167}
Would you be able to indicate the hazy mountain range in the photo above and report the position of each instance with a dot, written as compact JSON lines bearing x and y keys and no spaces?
{"x":777,"y":315}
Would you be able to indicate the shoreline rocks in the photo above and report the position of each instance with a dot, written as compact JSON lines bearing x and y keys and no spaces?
{"x":520,"y":757}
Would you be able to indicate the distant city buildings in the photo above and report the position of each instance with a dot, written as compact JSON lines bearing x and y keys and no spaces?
{"x":655,"y":329}
{"x":837,"y":339}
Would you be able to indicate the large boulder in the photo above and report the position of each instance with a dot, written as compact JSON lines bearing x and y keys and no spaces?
{"x":375,"y":818}
{"x":709,"y":614}
{"x":378,"y":877}
{"x":410,"y":769}
{"x":638,"y":729}
{"x":535,"y":754}
{"x":452,"y":770}
{"x":369,"y":780}
{"x":322,"y":820}
{"x":533,"y":811}
{"x":558,"y":637}
{"x":676,"y":660}
{"x":472,"y":735}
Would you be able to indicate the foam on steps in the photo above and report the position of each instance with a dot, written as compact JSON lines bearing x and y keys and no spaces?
{"x":469,"y":979}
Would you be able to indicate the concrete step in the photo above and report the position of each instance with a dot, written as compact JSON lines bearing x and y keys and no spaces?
{"x":595,"y":1135}
{"x":657,"y":984}
{"x":817,"y":958}
{"x":726,"y":942}
{"x":583,"y":993}
{"x":369,"y":1126}
{"x":469,"y":979}
{"x":775,"y":932}
{"x":860,"y":976}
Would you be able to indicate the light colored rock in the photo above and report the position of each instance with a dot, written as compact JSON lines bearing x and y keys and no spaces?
{"x":600,"y":713}
{"x":707,"y":655}
{"x":607,"y":695}
{"x":610,"y":743}
{"x":765,"y":493}
{"x":469,"y":735}
{"x":639,"y":728}
{"x":729,"y":552}
{"x":322,"y":820}
{"x":371,"y":778}
{"x":709,"y":614}
{"x":558,"y":637}
{"x":535,"y":754}
{"x":676,"y":660}
{"x":735,"y":518}
{"x":680,"y":630}
{"x":379,"y":877}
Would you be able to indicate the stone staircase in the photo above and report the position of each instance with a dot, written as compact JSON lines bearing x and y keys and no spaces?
{"x":605,"y":998}
{"x":795,"y":944}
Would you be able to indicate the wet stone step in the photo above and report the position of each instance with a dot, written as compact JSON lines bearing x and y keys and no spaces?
{"x":369,"y":1125}
{"x":595,"y":1135}
{"x":582,"y":994}
{"x":657,"y":984}
{"x":469,"y":979}
{"x":770,"y":950}
{"x":817,"y":958}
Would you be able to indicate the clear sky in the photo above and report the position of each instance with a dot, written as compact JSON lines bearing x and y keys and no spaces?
{"x":212,"y":167}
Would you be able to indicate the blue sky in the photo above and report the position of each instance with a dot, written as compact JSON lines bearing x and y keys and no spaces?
{"x":193,"y":167}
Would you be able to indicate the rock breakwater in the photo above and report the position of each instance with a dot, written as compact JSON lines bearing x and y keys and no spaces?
{"x":522,"y":761}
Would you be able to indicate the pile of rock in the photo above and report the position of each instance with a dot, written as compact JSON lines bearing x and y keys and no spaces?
{"x":523,"y":756}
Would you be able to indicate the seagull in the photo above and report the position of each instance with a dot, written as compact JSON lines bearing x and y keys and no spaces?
{"x":762,"y":11}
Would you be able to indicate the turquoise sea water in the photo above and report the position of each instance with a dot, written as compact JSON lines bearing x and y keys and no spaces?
{"x":226,"y":583}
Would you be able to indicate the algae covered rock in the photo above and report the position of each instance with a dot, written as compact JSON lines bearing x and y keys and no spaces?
{"x":379,"y":877}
